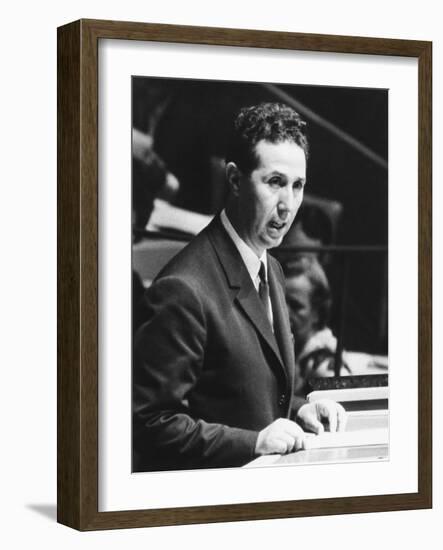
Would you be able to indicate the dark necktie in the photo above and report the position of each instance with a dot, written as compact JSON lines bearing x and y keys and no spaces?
{"x":263,"y":289}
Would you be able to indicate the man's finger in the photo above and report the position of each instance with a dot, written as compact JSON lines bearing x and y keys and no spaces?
{"x":288,"y":441}
{"x":313,"y":424}
{"x":280,"y":447}
{"x":331,"y":414}
{"x":299,"y":443}
{"x":342,"y":419}
{"x":318,"y":427}
{"x":295,"y":435}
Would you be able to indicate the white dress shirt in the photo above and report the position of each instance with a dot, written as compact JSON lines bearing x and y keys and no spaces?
{"x":249,"y":257}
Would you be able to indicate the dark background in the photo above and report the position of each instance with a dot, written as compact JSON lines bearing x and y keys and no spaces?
{"x":190,"y":121}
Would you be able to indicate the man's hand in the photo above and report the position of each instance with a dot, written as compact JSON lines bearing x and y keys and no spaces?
{"x":313,"y":416}
{"x":282,"y":436}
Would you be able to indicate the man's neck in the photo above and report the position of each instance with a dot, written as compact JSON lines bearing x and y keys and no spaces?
{"x":234,"y":219}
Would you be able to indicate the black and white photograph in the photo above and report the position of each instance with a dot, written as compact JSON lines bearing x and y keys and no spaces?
{"x":221,"y":294}
{"x":259,"y":274}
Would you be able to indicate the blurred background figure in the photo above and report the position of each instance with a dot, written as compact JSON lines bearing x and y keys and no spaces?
{"x":309,"y":298}
{"x":309,"y":302}
{"x":150,"y":179}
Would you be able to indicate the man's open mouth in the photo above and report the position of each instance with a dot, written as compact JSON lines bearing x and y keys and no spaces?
{"x":277,"y":225}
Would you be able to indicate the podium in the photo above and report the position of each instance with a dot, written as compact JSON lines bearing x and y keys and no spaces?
{"x":365,"y":438}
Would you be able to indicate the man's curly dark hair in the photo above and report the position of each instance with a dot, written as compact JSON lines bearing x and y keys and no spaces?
{"x":273,"y":122}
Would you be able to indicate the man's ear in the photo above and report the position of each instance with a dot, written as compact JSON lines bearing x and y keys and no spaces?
{"x":233,"y":175}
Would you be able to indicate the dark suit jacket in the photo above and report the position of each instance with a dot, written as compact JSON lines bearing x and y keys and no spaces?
{"x":209,"y":373}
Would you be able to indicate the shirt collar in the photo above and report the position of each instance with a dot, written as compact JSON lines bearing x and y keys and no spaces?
{"x":249,"y":257}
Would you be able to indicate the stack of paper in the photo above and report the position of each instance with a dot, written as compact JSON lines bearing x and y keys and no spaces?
{"x":328,"y":440}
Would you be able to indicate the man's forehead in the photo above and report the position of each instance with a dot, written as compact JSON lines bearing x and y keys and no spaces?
{"x":281,"y":151}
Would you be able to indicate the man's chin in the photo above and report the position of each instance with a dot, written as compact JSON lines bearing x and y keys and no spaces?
{"x":272,"y":242}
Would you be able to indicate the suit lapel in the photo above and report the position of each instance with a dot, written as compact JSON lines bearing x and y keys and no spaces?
{"x":249,"y":301}
{"x":282,"y":328}
{"x":246,"y":295}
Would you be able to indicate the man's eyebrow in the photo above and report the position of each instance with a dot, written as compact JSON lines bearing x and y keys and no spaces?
{"x":276,"y":173}
{"x":282,"y":174}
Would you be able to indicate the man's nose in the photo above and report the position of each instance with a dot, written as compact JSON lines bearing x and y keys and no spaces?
{"x":286,"y":203}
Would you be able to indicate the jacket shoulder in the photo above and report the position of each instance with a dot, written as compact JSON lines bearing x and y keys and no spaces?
{"x":196,"y":265}
{"x":276,"y":267}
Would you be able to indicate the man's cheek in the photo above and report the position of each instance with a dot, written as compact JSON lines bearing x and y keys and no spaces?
{"x":298,"y":203}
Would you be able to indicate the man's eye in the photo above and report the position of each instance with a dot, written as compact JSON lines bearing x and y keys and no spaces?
{"x":275,"y":181}
{"x":298,"y":185}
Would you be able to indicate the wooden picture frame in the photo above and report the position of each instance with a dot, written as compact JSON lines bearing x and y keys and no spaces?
{"x":78,"y":244}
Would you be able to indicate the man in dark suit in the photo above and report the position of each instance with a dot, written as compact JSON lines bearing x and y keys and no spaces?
{"x":214,"y":362}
